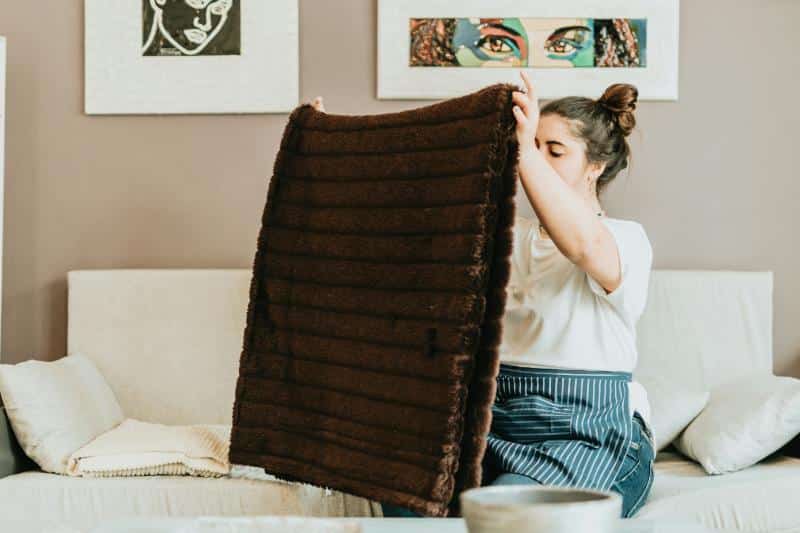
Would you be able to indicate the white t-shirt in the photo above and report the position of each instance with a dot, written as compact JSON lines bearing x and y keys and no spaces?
{"x":558,"y":316}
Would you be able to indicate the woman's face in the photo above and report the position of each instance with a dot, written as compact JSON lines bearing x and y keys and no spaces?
{"x":192,"y":23}
{"x":565,"y":153}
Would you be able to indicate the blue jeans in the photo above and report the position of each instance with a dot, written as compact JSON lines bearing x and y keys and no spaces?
{"x":635,"y":478}
{"x":633,"y":482}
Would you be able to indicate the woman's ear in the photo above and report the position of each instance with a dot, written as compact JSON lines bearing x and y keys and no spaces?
{"x":596,"y":170}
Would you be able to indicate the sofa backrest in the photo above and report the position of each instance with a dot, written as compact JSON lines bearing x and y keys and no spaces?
{"x":705,"y":327}
{"x":168,"y":340}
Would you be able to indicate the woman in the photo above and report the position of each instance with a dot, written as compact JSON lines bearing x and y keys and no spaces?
{"x":567,"y":411}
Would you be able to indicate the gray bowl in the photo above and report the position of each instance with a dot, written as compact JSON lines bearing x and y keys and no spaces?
{"x":540,"y":509}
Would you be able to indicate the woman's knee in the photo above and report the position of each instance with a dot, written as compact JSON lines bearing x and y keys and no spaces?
{"x":634,"y":486}
{"x":510,"y":478}
{"x":391,"y":510}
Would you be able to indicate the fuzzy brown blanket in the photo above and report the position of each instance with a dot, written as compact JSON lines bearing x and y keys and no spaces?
{"x":370,"y":351}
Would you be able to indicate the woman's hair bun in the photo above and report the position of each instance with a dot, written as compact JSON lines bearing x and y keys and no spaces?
{"x":620,"y":99}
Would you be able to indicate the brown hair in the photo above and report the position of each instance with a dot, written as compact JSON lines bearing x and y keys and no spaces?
{"x":603,"y":124}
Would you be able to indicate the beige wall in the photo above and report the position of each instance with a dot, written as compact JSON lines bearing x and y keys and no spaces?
{"x":715,"y":178}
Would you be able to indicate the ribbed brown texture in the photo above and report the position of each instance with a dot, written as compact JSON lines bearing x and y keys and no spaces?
{"x":370,"y":351}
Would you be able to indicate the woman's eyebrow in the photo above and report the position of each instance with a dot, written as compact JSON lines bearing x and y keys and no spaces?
{"x":503,"y":27}
{"x":555,"y":142}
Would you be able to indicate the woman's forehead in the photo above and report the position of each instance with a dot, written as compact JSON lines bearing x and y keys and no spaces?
{"x":553,"y":127}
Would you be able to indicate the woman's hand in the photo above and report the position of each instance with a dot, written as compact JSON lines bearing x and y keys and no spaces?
{"x":317,"y":104}
{"x":526,"y":111}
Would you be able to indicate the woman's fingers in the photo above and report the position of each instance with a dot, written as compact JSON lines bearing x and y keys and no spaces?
{"x":522,"y":120}
{"x":530,"y":91}
{"x":526,"y":112}
{"x":521,"y":100}
{"x":317,"y":104}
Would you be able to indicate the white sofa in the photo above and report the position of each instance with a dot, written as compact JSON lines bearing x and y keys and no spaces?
{"x":168,"y":342}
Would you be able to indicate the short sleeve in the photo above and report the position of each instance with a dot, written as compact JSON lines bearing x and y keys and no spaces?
{"x":636,"y":261}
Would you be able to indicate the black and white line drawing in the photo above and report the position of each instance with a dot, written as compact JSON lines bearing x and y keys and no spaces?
{"x":191,"y":27}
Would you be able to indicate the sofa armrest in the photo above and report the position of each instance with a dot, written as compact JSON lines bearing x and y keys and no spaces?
{"x":792,"y":448}
{"x":12,"y":458}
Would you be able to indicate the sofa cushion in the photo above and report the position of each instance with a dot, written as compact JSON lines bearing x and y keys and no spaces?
{"x":83,"y":503}
{"x":759,"y":498}
{"x":744,"y":421}
{"x":706,"y":327}
{"x":673,"y":405}
{"x":152,"y":332}
{"x":56,"y":407}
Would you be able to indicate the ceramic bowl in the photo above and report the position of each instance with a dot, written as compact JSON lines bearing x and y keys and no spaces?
{"x":540,"y":509}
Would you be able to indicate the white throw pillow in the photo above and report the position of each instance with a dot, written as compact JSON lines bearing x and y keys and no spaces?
{"x":744,"y":421}
{"x":672,"y":407}
{"x":56,"y":407}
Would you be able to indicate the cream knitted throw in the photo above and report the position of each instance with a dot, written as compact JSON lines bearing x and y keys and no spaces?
{"x":136,"y":448}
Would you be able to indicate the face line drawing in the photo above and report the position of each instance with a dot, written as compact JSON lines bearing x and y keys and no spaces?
{"x":158,"y":24}
{"x":153,"y":26}
{"x":205,"y":26}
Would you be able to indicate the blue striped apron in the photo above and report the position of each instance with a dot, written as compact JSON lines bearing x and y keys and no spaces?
{"x":560,"y":427}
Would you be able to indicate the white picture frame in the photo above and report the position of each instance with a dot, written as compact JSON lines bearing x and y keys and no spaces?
{"x":2,"y":166}
{"x":260,"y":78}
{"x":658,"y":80}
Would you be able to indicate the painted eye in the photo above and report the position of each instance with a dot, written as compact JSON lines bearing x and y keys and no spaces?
{"x":495,"y":44}
{"x":562,"y":46}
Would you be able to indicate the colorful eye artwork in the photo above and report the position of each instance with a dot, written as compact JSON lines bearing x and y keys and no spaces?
{"x":191,"y":27}
{"x":527,"y":42}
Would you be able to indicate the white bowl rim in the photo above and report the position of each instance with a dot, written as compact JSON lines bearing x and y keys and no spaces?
{"x":607,"y":497}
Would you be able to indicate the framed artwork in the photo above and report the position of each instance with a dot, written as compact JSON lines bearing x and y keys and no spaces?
{"x":435,"y":49}
{"x":191,"y":56}
{"x":2,"y":159}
